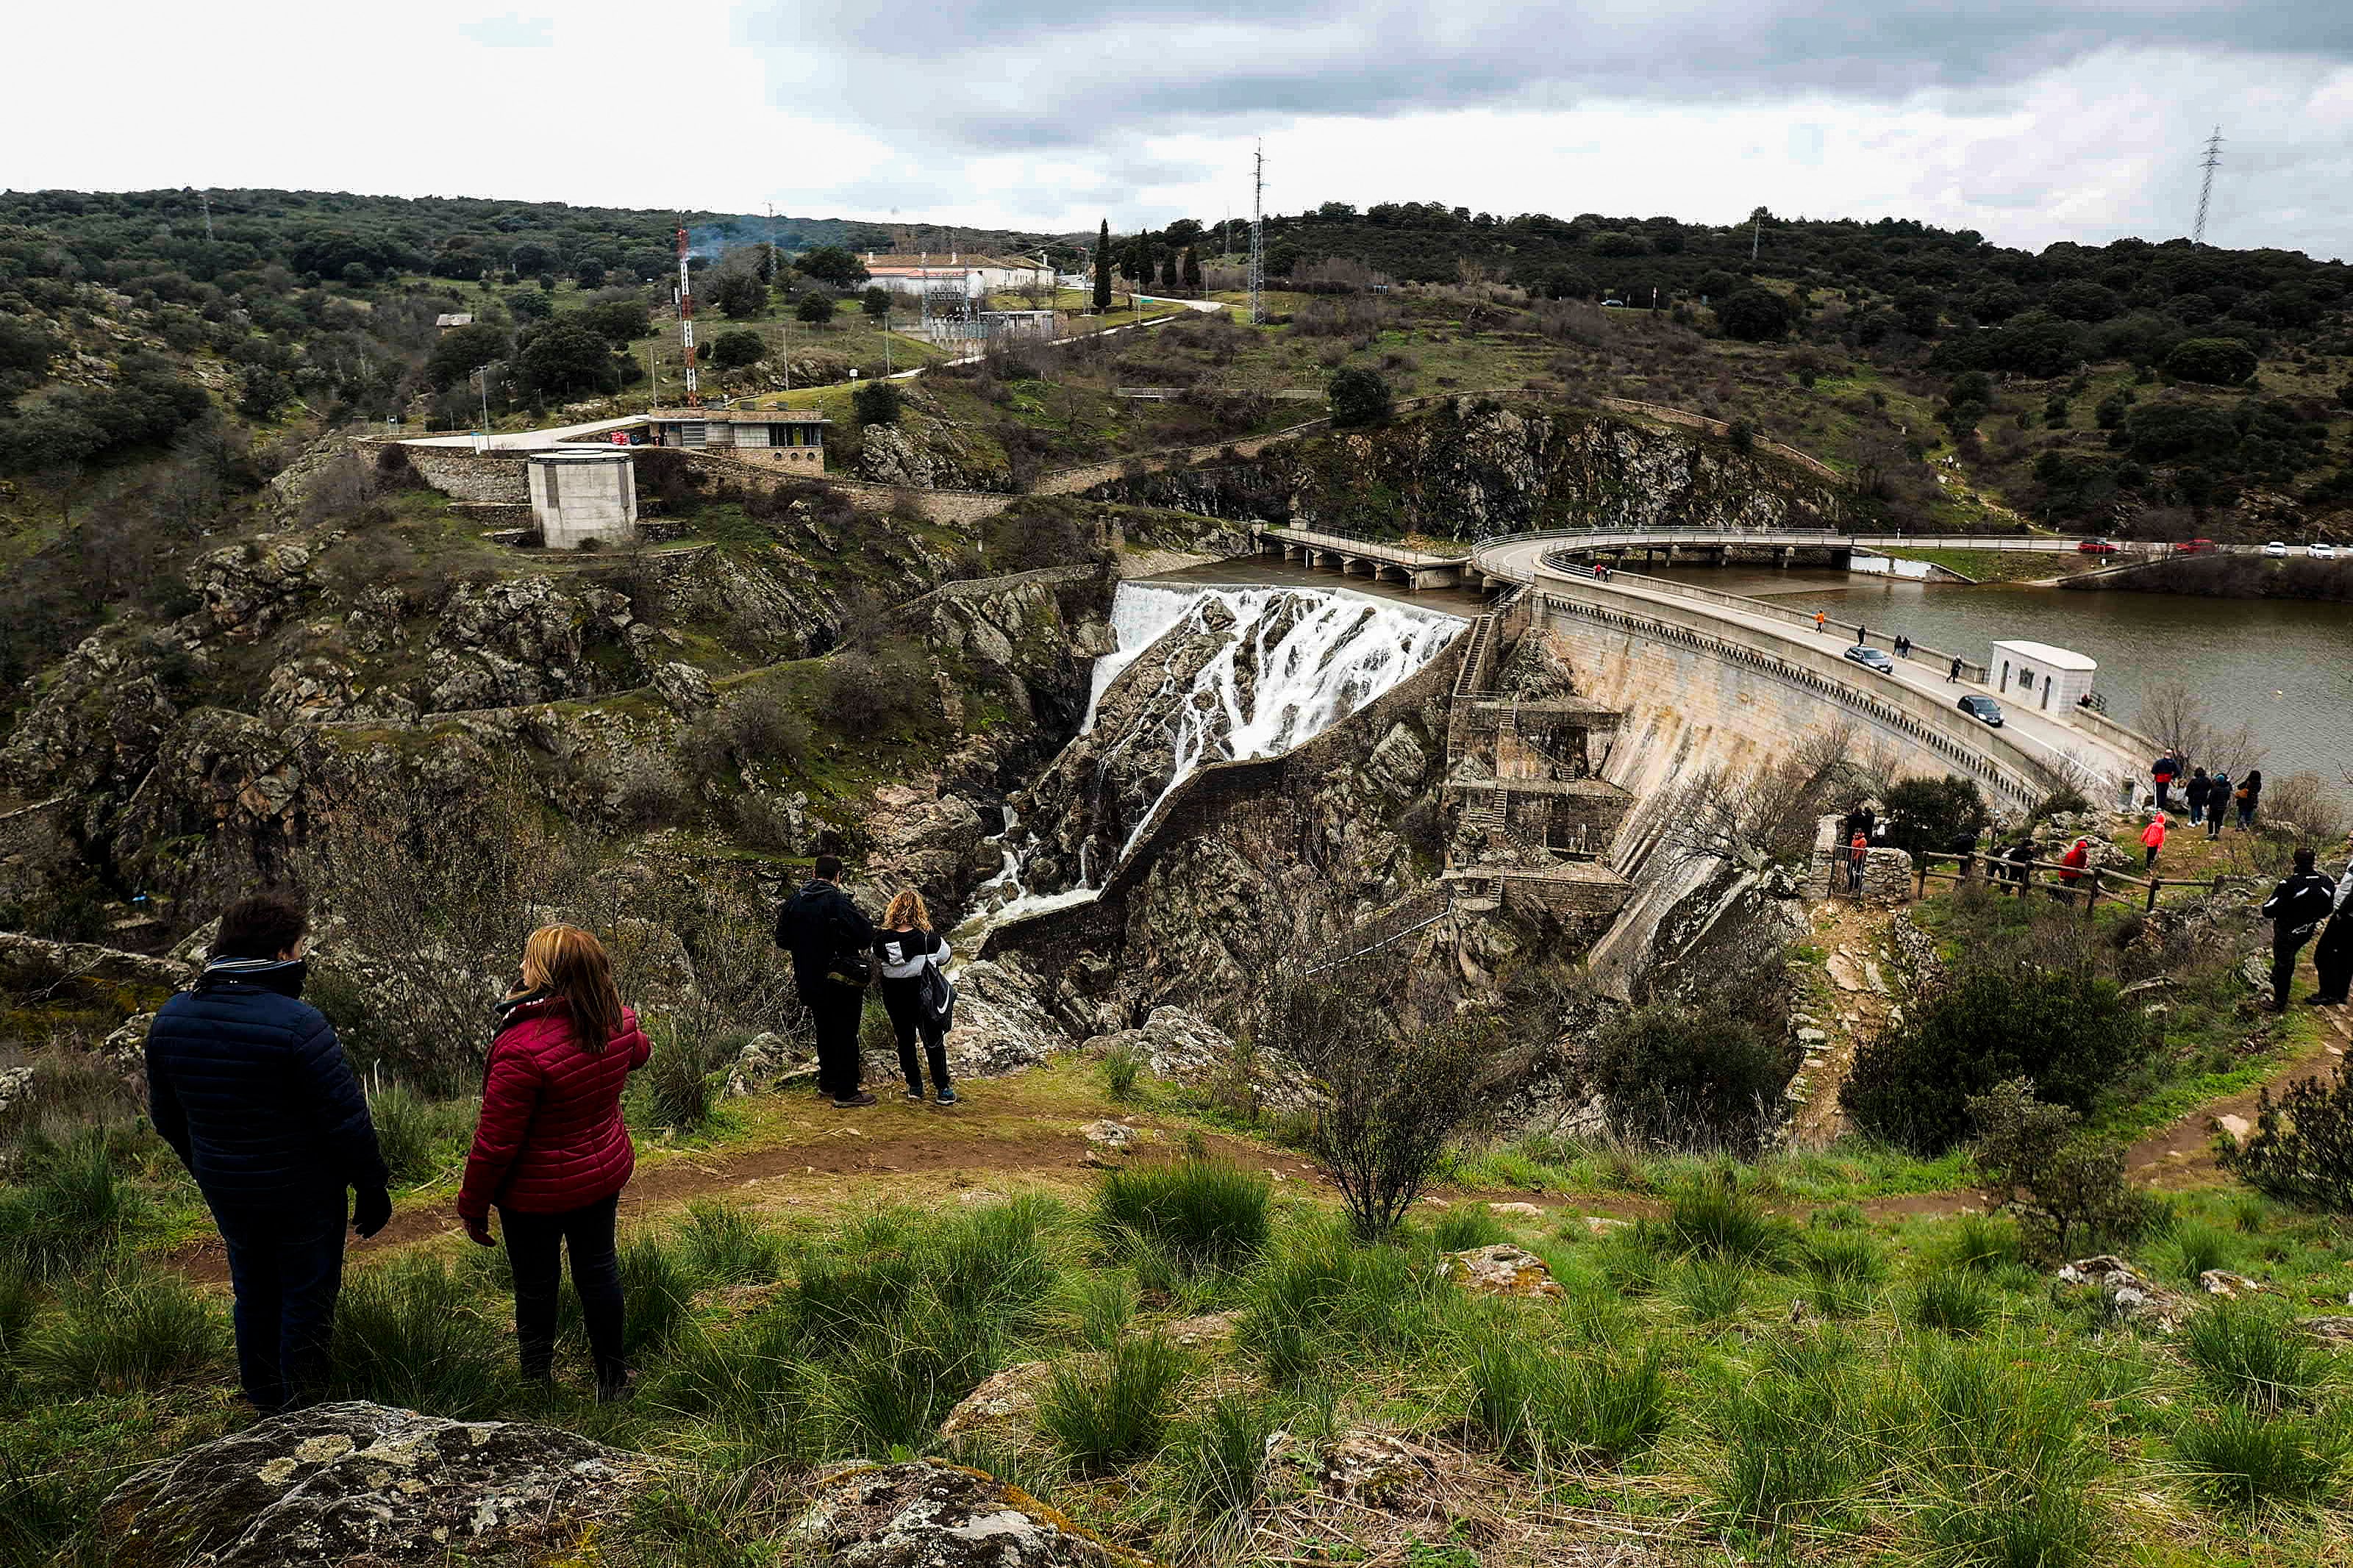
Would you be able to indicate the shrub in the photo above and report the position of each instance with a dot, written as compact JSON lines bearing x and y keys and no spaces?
{"x":876,"y":403}
{"x":1206,"y":1215}
{"x":127,"y":1329}
{"x":2243,"y":1458}
{"x":1690,"y":1077}
{"x":2064,"y":1186}
{"x":1358,"y":398}
{"x":725,"y":1245}
{"x":679,"y":1080}
{"x":2068,"y":1031}
{"x":420,"y":1138}
{"x":1105,"y":1412}
{"x":2250,"y":1352}
{"x":1952,"y":1302}
{"x":1943,"y":813}
{"x":2216,"y":362}
{"x":414,"y":1333}
{"x":2302,"y":1150}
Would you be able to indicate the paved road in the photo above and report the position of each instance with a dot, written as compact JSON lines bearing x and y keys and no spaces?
{"x":2040,"y":735}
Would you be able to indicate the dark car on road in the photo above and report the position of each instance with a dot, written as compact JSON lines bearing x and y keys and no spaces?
{"x":1984,"y":709}
{"x":2097,"y":547}
{"x":1874,"y":659}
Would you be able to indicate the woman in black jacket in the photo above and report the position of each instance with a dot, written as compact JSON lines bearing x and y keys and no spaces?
{"x":2200,"y":789}
{"x":907,"y":949}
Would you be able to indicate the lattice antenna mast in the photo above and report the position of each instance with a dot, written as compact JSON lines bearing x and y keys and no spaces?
{"x":1258,"y":240}
{"x":2206,"y":189}
{"x":686,"y":316}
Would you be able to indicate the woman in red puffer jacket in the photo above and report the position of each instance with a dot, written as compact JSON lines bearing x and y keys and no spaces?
{"x":550,"y":1149}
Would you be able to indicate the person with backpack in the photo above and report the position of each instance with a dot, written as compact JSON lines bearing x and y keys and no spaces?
{"x":916,"y":992}
{"x":2295,"y":909}
{"x":2250,"y":795}
{"x":550,"y":1151}
{"x":2218,"y":801}
{"x":247,"y":1083}
{"x":2334,"y":957}
{"x":831,"y":942}
{"x":2200,"y":790}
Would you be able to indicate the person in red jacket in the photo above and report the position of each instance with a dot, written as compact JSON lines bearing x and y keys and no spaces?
{"x":2152,"y":838}
{"x":550,"y":1149}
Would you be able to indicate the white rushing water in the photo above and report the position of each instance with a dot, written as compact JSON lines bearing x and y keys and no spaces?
{"x":1319,"y":655}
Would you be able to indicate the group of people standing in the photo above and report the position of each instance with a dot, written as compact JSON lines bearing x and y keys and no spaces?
{"x":2308,"y":902}
{"x":2208,"y":797}
{"x":250,"y":1085}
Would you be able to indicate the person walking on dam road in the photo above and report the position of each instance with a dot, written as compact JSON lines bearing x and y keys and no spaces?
{"x":247,"y":1084}
{"x":550,"y":1151}
{"x":831,"y":941}
{"x":2295,"y":909}
{"x":916,"y":992}
{"x":1954,"y":673}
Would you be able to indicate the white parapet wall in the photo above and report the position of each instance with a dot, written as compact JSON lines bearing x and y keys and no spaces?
{"x":579,"y":496}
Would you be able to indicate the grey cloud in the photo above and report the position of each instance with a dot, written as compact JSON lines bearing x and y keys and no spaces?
{"x":986,"y":77}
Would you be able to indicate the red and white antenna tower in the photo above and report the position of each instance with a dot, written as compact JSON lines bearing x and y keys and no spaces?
{"x":686,"y":316}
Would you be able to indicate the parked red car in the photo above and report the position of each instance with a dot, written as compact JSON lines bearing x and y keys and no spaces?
{"x":2194,"y":547}
{"x":2096,"y":547}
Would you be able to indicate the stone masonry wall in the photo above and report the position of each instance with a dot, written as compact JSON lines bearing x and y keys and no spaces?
{"x":502,"y":477}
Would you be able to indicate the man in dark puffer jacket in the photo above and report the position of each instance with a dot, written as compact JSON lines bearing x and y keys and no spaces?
{"x":248,"y":1084}
{"x":822,"y":928}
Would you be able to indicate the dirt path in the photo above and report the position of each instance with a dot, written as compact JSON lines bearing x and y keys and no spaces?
{"x":2182,"y":1153}
{"x":1847,"y":1003}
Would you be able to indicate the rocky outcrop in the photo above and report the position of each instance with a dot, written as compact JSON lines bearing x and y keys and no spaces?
{"x":1001,"y":1022}
{"x":522,"y":640}
{"x":354,"y":1483}
{"x":248,"y":589}
{"x":98,"y":723}
{"x":31,"y":962}
{"x":1475,"y":468}
{"x":933,"y":1515}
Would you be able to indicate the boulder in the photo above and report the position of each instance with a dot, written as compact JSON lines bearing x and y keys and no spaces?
{"x":1516,"y":1210}
{"x":2335,"y":1333}
{"x":928,"y":1514}
{"x":769,"y":1063}
{"x":1503,"y":1270}
{"x":686,"y":688}
{"x":126,"y":1048}
{"x":1108,"y":1144}
{"x":2125,"y":1294}
{"x":353,"y":1483}
{"x":1001,"y":1022}
{"x":1004,"y":1399}
{"x":2222,"y":1282}
{"x":1371,"y":1465}
{"x":16,"y":1083}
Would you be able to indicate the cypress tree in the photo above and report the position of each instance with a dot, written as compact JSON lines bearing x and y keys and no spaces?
{"x":1170,"y":278}
{"x":1193,"y":271}
{"x":1103,"y":268}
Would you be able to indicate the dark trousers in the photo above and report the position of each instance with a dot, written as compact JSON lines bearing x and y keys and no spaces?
{"x":2162,"y":786}
{"x":285,"y":1266}
{"x":902,"y":999}
{"x":2333,"y":956}
{"x":2214,"y":822}
{"x":2283,"y":951}
{"x":835,"y":1009}
{"x":2246,"y":814}
{"x":534,"y":1248}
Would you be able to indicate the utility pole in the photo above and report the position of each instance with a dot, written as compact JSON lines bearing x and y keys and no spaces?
{"x":686,"y":315}
{"x":1756,"y":233}
{"x":206,"y":200}
{"x":2206,"y":189}
{"x":1258,"y":238}
{"x":483,"y":371}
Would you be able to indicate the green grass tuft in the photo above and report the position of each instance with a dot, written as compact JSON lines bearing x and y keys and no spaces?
{"x":1543,"y":1408}
{"x":1715,"y":1217}
{"x":1466,"y":1225}
{"x":413,"y":1332}
{"x":128,"y":1329}
{"x":2242,"y":1459}
{"x":72,"y":1208}
{"x":1952,"y":1301}
{"x":2251,"y":1353}
{"x":1114,"y":1409}
{"x":725,"y":1245}
{"x":1205,"y":1214}
{"x":1122,"y":1066}
{"x":422,"y":1139}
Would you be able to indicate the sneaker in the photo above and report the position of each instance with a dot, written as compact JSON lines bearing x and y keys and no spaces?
{"x":857,"y":1101}
{"x":616,"y":1390}
{"x":916,"y":1095}
{"x":945,"y":1097}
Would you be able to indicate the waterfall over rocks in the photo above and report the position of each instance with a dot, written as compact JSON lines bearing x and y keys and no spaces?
{"x":1201,"y":675}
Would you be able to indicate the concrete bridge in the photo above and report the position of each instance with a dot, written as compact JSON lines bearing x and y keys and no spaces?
{"x":1364,"y":558}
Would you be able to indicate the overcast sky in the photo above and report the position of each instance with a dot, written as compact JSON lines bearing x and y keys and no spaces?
{"x":2032,"y":120}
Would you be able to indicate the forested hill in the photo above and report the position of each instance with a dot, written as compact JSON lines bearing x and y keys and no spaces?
{"x":2127,"y":300}
{"x":323,"y":236}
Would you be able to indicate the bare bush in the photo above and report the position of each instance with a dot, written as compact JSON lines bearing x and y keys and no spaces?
{"x":2318,"y":811}
{"x":2176,"y":717}
{"x":1767,"y":816}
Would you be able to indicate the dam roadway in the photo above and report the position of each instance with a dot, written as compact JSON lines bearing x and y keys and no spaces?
{"x":2017,"y":761}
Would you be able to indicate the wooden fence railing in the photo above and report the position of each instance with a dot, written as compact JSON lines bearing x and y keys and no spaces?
{"x":2092,"y":883}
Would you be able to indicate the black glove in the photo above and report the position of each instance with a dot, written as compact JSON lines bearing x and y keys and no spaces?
{"x":372,"y":1212}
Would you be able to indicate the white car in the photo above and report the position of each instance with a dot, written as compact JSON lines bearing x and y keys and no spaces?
{"x":2275,"y":548}
{"x":2321,"y":551}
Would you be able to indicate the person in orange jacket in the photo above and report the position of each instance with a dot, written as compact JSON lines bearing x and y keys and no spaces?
{"x":2152,"y":838}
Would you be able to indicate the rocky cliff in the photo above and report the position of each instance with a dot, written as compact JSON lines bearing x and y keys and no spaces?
{"x":1476,"y":468}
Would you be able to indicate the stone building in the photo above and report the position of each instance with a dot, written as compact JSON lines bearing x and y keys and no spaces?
{"x":791,"y":438}
{"x":584,"y":495}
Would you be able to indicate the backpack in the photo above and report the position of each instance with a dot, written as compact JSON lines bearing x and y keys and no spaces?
{"x":936,"y":994}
